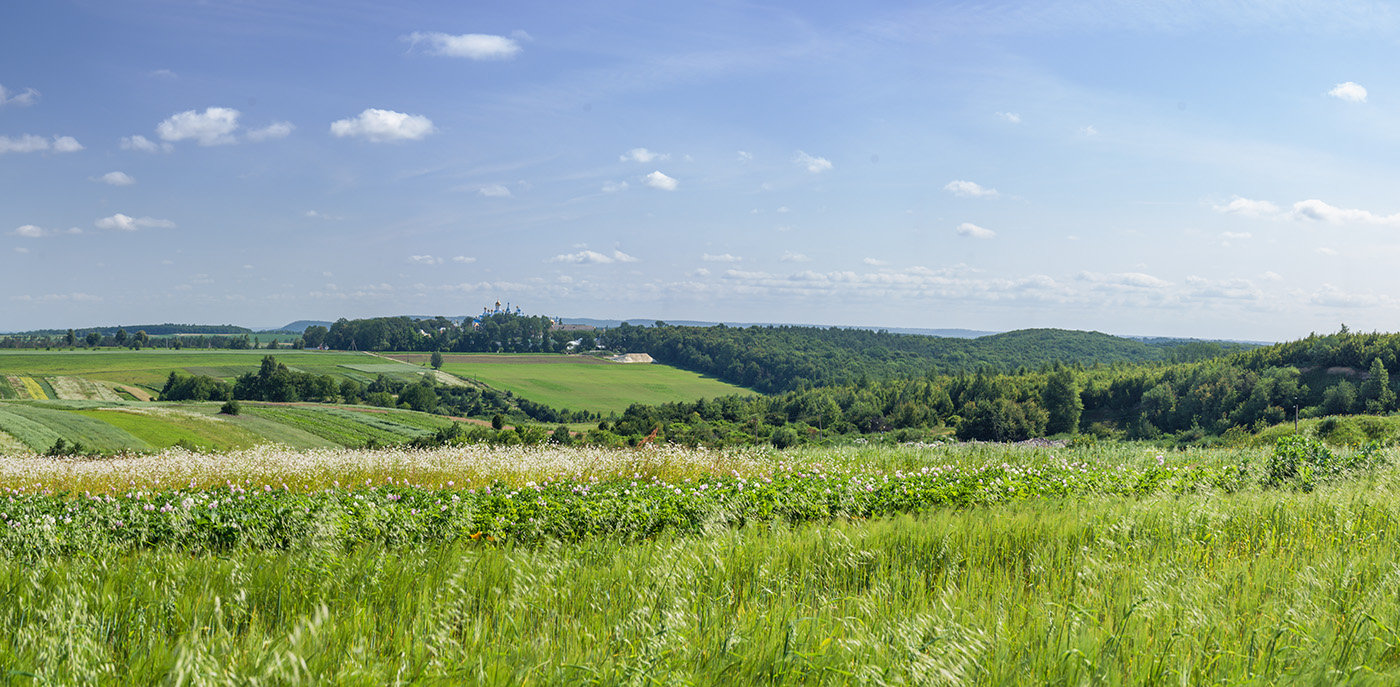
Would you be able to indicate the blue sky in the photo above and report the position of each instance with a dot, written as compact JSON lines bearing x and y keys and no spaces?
{"x":1223,"y":170}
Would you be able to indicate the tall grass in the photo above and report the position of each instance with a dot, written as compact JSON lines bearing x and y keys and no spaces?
{"x":1256,"y":588}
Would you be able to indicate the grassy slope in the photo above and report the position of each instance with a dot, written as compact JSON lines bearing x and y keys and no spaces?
{"x":583,"y":384}
{"x":116,"y":426}
{"x":149,"y":368}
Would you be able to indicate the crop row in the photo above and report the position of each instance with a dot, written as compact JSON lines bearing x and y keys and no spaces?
{"x":34,"y":520}
{"x":347,"y":428}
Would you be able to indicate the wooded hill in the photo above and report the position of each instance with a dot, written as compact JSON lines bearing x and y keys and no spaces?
{"x":776,"y":359}
{"x":1239,"y":394}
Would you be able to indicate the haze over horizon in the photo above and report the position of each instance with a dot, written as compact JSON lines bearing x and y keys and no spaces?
{"x":1192,"y":169}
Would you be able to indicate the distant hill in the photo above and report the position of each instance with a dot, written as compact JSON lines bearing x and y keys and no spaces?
{"x":299,"y":326}
{"x":644,"y":322}
{"x":166,"y":329}
{"x":773,"y":359}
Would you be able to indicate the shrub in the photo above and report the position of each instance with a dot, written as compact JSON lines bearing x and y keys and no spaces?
{"x":231,"y":407}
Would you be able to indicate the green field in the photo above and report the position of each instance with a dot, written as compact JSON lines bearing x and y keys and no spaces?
{"x":149,"y":368}
{"x":117,"y":426}
{"x":917,"y":565}
{"x":580,"y":383}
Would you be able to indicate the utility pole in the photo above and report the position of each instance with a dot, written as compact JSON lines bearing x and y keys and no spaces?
{"x":1295,"y":416}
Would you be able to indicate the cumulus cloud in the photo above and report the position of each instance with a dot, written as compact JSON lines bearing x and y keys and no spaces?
{"x":614,"y":186}
{"x":115,"y":179}
{"x":125,"y":223}
{"x":463,"y":260}
{"x":973,"y":231}
{"x":25,"y":99}
{"x":143,"y":144}
{"x":66,"y":144}
{"x":745,"y":156}
{"x":790,"y":256}
{"x":473,"y":46}
{"x":589,"y":257}
{"x":1349,"y":91}
{"x":382,"y":126}
{"x":875,"y":262}
{"x":29,"y":143}
{"x":642,"y":155}
{"x":30,"y":231}
{"x":969,"y":189}
{"x":1322,"y":212}
{"x":1248,"y":208}
{"x":494,"y":191}
{"x":271,"y":131}
{"x":425,"y":259}
{"x":815,"y":165}
{"x":724,"y":257}
{"x":214,"y":126}
{"x":661,"y":181}
{"x":1010,"y":117}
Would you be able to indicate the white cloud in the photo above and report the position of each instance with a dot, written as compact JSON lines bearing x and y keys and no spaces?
{"x":28,"y":97}
{"x":614,"y":186}
{"x":143,"y":144}
{"x":661,"y":181}
{"x":463,"y":260}
{"x":425,"y":259}
{"x":30,"y":231}
{"x":589,"y":257}
{"x":29,"y":143}
{"x":700,"y":272}
{"x":1326,"y":251}
{"x":271,"y":131}
{"x":815,"y":165}
{"x":790,"y":256}
{"x":1248,"y":208}
{"x":875,"y":262}
{"x":969,"y":189}
{"x":1132,"y":280}
{"x":1349,"y":91}
{"x":214,"y":126}
{"x":745,"y":156}
{"x":380,"y":126}
{"x":164,"y":74}
{"x":473,"y":46}
{"x":1010,"y":117}
{"x":1089,"y":131}
{"x":642,"y":155}
{"x":494,"y":191}
{"x":971,"y":230}
{"x":1271,"y":276}
{"x":725,"y":257}
{"x":115,"y":179}
{"x":783,"y":210}
{"x":319,"y":215}
{"x":124,"y":223}
{"x":1235,"y":235}
{"x":1322,"y":212}
{"x":66,"y":144}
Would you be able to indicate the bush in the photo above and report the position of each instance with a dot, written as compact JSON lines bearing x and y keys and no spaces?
{"x":783,"y":438}
{"x":230,"y":407}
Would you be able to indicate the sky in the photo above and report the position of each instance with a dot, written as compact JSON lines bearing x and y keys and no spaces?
{"x":1186,"y":168}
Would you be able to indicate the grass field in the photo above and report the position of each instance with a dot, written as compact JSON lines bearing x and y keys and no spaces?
{"x":149,"y":368}
{"x":116,"y":426}
{"x":1104,"y":565}
{"x":582,"y":383}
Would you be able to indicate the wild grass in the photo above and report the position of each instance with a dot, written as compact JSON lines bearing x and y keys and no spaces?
{"x":941,"y":565}
{"x":1254,"y":588}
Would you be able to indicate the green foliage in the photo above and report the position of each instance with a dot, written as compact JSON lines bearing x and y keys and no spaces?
{"x":436,"y":360}
{"x":231,"y":407}
{"x":1304,"y":462}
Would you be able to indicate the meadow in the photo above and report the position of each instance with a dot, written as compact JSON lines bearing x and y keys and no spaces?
{"x":585,"y":383}
{"x":946,"y":564}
